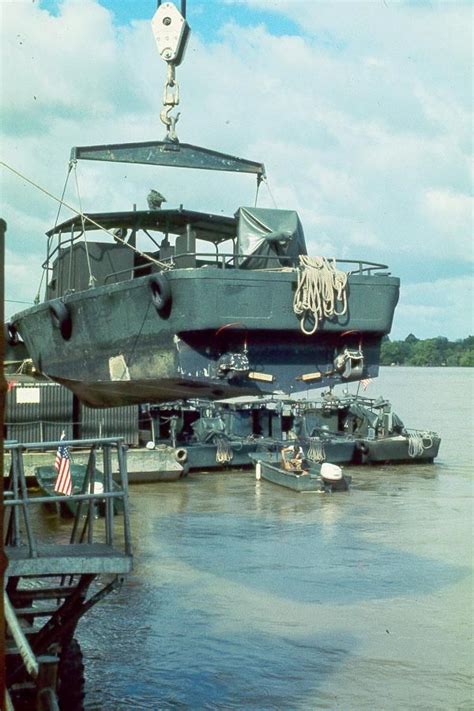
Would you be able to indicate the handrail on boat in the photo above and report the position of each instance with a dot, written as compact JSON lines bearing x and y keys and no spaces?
{"x":220,"y":260}
{"x":229,"y":261}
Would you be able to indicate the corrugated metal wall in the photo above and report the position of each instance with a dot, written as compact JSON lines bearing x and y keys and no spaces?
{"x":40,"y":411}
{"x":37,"y":411}
{"x":109,"y":422}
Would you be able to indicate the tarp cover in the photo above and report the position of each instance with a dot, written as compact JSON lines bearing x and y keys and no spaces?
{"x":362,"y":413}
{"x":206,"y":427}
{"x":264,"y":233}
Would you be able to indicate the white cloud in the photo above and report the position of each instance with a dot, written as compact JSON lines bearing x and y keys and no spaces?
{"x":452,"y":214}
{"x":363,"y":122}
{"x":442,"y":307}
{"x":22,"y":280}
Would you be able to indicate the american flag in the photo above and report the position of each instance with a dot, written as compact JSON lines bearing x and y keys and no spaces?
{"x":366,"y":382}
{"x":63,"y":483}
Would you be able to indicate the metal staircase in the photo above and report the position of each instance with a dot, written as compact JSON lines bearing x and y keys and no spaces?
{"x":50,"y":585}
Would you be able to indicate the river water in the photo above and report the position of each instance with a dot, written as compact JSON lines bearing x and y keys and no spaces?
{"x":245,"y":595}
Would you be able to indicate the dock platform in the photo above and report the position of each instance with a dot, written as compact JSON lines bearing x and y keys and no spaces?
{"x":50,"y":584}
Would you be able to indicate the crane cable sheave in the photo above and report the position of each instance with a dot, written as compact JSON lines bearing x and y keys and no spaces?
{"x":171,"y":33}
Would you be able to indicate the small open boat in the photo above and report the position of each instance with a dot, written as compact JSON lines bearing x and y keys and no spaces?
{"x":46,"y":478}
{"x":277,"y":468}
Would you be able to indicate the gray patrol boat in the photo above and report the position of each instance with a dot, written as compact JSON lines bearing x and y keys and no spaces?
{"x":217,"y":306}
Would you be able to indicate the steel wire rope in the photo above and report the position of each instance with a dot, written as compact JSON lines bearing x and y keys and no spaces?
{"x":256,"y":193}
{"x":24,"y":365}
{"x":265,"y":180}
{"x":162,"y":265}
{"x":132,"y":351}
{"x":37,"y":297}
{"x":92,"y":279}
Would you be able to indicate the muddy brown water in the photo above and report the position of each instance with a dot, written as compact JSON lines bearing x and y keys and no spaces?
{"x":247,"y":595}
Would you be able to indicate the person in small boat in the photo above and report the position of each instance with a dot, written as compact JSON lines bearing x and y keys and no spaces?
{"x":294,"y":459}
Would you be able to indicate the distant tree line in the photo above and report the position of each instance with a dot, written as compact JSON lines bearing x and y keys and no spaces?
{"x":428,"y":352}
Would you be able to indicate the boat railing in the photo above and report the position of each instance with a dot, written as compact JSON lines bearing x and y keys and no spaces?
{"x":364,"y":267}
{"x":168,"y":259}
{"x":107,"y":549}
{"x":194,"y":259}
{"x":231,"y":261}
{"x":415,"y":431}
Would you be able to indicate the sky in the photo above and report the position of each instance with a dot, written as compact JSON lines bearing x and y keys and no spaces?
{"x":360,"y":111}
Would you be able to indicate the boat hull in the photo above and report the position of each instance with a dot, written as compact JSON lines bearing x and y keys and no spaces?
{"x":209,"y":456}
{"x":337,"y":450}
{"x":227,"y":333}
{"x":161,"y":464}
{"x":395,"y":449}
{"x":290,"y":480}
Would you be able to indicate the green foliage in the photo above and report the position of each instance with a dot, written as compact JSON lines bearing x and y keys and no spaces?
{"x":428,"y":352}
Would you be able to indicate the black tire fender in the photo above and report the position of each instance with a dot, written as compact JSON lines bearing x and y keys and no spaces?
{"x":160,"y":293}
{"x":181,"y":455}
{"x":61,"y":318}
{"x":11,"y":334}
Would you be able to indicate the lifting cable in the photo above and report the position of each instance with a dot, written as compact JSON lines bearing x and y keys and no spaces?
{"x":265,"y":179}
{"x":61,"y":201}
{"x":92,"y":278}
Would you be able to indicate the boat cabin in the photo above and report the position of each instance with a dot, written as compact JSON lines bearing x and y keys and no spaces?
{"x":255,"y":238}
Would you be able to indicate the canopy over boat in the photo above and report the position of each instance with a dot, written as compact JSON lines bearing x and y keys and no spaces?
{"x":208,"y":227}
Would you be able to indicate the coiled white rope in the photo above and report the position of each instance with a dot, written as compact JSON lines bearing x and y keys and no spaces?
{"x":418,"y":442}
{"x":224,"y":453}
{"x":316,"y":451}
{"x":321,"y":286}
